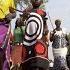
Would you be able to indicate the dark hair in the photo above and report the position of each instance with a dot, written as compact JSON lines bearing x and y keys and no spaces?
{"x":18,"y":23}
{"x":36,"y":3}
{"x":57,"y":21}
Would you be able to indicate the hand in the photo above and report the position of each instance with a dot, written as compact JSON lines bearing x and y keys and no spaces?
{"x":10,"y":16}
{"x":24,"y":16}
{"x":47,"y":43}
{"x":54,"y":31}
{"x":11,"y":10}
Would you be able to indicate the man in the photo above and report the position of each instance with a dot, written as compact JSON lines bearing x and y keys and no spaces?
{"x":36,"y":4}
{"x":6,"y":14}
{"x":59,"y":43}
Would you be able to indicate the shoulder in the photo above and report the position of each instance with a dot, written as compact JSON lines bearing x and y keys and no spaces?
{"x":64,"y":30}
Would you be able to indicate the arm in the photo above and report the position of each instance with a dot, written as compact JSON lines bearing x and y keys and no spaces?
{"x":45,"y":27}
{"x":12,"y":6}
{"x":52,"y":35}
{"x":67,"y":39}
{"x":46,"y":31}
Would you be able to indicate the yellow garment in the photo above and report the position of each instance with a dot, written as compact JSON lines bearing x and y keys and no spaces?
{"x":4,"y":7}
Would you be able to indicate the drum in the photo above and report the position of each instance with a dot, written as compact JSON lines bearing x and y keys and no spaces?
{"x":18,"y":54}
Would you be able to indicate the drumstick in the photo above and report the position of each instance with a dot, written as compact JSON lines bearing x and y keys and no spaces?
{"x":17,"y":10}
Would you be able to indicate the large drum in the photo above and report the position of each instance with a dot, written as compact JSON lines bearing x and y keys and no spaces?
{"x":38,"y":57}
{"x":19,"y":52}
{"x":29,"y":57}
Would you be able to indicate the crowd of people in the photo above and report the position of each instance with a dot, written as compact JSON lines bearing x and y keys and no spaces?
{"x":13,"y":31}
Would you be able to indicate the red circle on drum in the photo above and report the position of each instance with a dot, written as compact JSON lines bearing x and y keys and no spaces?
{"x":39,"y":48}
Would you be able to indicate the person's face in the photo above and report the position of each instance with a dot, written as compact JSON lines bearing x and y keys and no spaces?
{"x":58,"y":24}
{"x":36,"y":3}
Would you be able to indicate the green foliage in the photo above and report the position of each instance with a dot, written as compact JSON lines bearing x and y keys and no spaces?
{"x":69,"y":36}
{"x":44,"y":1}
{"x":69,"y":45}
{"x":27,"y":2}
{"x":43,"y":5}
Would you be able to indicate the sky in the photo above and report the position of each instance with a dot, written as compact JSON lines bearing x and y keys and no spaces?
{"x":59,"y":9}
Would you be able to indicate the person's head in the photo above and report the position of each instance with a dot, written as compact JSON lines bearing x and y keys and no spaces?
{"x":57,"y":23}
{"x":36,"y":3}
{"x":18,"y":23}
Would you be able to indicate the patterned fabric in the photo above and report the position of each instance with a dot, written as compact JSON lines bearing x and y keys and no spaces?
{"x":34,"y":29}
{"x":59,"y":40}
{"x":3,"y":33}
{"x":60,"y":63}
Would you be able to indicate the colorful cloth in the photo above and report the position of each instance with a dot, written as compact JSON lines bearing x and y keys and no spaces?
{"x":59,"y":39}
{"x":60,"y":63}
{"x":18,"y":35}
{"x":3,"y":31}
{"x":6,"y":65}
{"x":34,"y":29}
{"x":4,"y":7}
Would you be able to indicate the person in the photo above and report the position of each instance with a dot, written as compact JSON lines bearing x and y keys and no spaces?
{"x":18,"y":32}
{"x":60,"y":41}
{"x":35,"y":9}
{"x":6,"y":14}
{"x":20,"y":6}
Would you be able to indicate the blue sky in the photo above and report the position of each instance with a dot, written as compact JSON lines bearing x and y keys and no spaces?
{"x":59,"y":9}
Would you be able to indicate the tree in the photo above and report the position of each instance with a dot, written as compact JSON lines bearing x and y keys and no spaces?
{"x":28,"y":3}
{"x":69,"y":44}
{"x":43,"y":5}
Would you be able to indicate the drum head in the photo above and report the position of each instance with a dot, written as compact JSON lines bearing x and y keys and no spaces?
{"x":41,"y":49}
{"x":18,"y":54}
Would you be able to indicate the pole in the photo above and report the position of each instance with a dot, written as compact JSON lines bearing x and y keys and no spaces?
{"x":50,"y":20}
